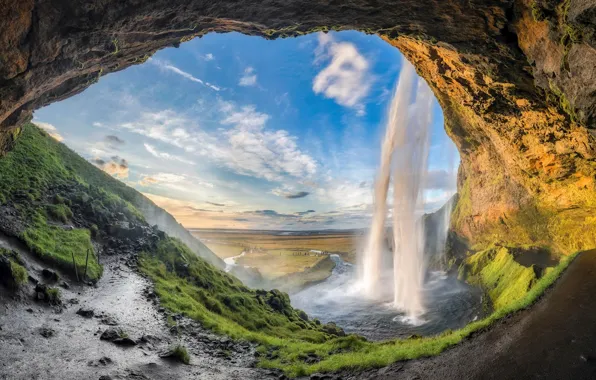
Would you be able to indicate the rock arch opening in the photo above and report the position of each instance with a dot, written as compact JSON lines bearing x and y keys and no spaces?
{"x":510,"y":76}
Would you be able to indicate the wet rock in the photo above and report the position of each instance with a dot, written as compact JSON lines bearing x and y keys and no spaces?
{"x":47,"y":332}
{"x":118,"y":337}
{"x":310,"y":358}
{"x":111,"y":334}
{"x":85,"y":312}
{"x":323,"y":376}
{"x":126,"y":341}
{"x":103,"y":361}
{"x":49,"y":275}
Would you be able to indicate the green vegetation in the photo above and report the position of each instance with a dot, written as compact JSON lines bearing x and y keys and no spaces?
{"x":180,"y":353}
{"x":497,"y":272}
{"x":60,"y":212}
{"x":53,"y":296}
{"x":189,"y":286}
{"x":41,"y":179}
{"x":18,"y":274}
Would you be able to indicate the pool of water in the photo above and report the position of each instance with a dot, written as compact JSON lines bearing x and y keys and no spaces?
{"x":450,"y":304}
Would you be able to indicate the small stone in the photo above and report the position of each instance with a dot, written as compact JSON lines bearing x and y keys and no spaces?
{"x":86,"y":313}
{"x":46,"y":332}
{"x":124,"y":342}
{"x":50,"y":275}
{"x":105,"y":377}
{"x":29,"y":310}
{"x":110,"y":334}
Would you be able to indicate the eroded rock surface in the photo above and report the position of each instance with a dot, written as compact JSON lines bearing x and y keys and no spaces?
{"x":516,"y":80}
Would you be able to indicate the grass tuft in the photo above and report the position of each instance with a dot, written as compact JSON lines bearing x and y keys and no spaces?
{"x":180,"y":353}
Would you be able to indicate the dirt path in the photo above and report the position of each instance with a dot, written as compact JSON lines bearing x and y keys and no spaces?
{"x":554,"y":339}
{"x":74,"y":349}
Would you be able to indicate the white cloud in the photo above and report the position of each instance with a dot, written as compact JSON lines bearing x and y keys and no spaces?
{"x":209,"y":57}
{"x":50,"y":129}
{"x":245,"y":146}
{"x":168,"y":67}
{"x":346,"y":78}
{"x":249,"y":78}
{"x":255,"y":151}
{"x":167,"y":156}
{"x":344,"y":193}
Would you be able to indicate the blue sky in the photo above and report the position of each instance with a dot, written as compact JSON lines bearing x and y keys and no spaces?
{"x":232,"y":131}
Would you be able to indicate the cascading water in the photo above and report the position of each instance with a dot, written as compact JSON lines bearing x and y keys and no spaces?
{"x":406,"y":146}
{"x":432,"y":300}
{"x":371,"y":263}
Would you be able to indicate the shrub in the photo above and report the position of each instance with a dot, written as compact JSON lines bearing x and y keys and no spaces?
{"x":180,"y":353}
{"x":53,"y":296}
{"x":19,"y":273}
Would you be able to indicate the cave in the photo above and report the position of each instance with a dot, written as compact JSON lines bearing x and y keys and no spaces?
{"x":515,"y":79}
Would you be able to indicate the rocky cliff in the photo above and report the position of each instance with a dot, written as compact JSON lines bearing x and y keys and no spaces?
{"x":516,"y":80}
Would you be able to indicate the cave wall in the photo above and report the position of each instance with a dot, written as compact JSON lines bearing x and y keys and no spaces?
{"x":516,"y":80}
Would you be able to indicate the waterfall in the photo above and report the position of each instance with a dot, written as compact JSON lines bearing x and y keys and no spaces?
{"x":398,"y":113}
{"x":405,"y":147}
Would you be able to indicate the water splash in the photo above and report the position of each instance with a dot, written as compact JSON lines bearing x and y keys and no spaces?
{"x":406,"y":145}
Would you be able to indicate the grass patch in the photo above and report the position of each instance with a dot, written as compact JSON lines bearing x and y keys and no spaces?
{"x":180,"y":353}
{"x":57,"y":245}
{"x":59,"y":212}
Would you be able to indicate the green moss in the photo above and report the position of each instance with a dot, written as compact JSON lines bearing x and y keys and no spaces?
{"x":503,"y":279}
{"x":463,"y":206}
{"x":19,"y":273}
{"x":537,"y":11}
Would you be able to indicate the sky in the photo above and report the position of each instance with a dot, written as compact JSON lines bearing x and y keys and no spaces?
{"x":234,"y":131}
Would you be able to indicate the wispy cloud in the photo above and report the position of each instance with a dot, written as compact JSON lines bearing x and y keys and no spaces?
{"x":169,"y":67}
{"x":346,"y":78}
{"x":287,"y":193}
{"x":166,"y":156}
{"x":249,"y":78}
